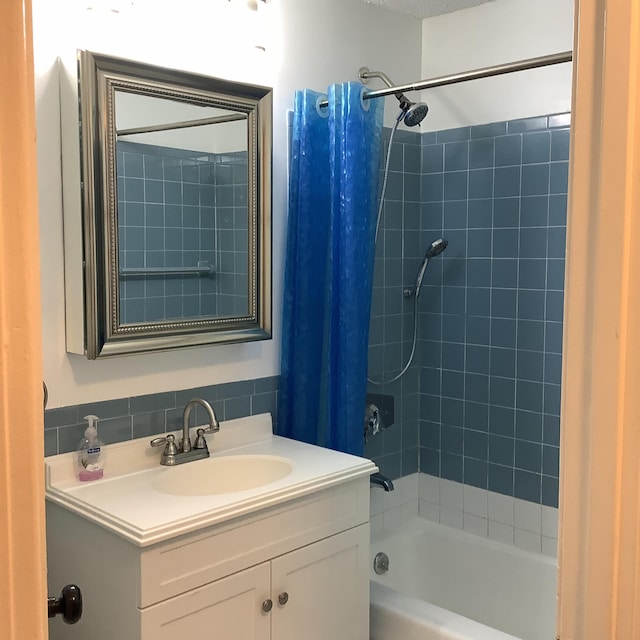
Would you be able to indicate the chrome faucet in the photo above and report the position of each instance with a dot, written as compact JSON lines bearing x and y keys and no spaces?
{"x":183,"y":451}
{"x":214,"y":425}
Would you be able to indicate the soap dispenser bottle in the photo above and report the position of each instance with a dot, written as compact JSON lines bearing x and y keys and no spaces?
{"x":90,"y":453}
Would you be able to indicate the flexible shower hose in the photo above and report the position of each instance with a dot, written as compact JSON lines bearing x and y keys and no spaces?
{"x":415,"y":297}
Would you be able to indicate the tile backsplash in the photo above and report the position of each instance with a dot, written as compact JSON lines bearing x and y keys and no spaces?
{"x":149,"y":415}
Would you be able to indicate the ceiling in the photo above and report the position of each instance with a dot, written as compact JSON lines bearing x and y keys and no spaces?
{"x":427,"y":8}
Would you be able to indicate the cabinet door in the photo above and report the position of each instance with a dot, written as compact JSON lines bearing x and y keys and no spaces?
{"x":327,"y":590}
{"x":228,"y":608}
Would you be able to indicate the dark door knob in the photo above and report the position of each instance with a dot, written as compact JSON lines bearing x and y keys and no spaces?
{"x":68,"y":605}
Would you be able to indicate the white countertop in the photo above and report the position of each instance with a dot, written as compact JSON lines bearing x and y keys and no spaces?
{"x":125,"y":501}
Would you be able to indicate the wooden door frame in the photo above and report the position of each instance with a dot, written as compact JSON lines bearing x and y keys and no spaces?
{"x":600,"y":497}
{"x":600,"y":446}
{"x":22,"y":528}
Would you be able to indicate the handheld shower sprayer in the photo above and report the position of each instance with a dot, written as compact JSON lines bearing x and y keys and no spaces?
{"x":433,"y":250}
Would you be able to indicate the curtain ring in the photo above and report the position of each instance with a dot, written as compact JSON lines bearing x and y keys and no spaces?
{"x":323,"y":112}
{"x":365,"y":103}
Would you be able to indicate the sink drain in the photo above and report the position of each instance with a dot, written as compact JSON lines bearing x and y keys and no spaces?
{"x":381,"y":563}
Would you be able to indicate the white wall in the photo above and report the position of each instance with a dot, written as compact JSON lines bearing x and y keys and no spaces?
{"x":308,"y":44}
{"x":490,"y":34}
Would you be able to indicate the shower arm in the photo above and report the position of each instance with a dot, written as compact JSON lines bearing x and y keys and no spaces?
{"x":485,"y":72}
{"x":364,"y":73}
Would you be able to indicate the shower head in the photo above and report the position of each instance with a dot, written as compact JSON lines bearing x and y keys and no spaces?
{"x":414,"y":112}
{"x":433,"y":250}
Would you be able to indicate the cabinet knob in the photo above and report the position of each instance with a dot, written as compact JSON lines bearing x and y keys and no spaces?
{"x":267,"y":606}
{"x":68,"y":605}
{"x":283,"y":598}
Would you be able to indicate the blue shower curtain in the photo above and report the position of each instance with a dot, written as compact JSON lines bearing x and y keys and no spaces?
{"x":329,"y":267}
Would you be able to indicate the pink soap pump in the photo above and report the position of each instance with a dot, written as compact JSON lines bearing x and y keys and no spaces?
{"x":90,"y":453}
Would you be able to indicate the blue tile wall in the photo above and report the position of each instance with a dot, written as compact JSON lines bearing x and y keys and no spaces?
{"x":176,"y":210}
{"x":149,"y":415}
{"x":492,"y":306}
{"x":398,"y":253}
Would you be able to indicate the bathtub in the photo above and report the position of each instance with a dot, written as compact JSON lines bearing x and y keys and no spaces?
{"x":446,"y":584}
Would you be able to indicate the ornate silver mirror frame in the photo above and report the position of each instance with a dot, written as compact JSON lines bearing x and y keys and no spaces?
{"x":106,"y":332}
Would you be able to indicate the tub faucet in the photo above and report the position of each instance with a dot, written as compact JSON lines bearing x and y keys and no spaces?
{"x":378,"y":480}
{"x":178,"y":453}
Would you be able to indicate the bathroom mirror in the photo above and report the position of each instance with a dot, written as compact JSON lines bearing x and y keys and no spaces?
{"x":176,"y":208}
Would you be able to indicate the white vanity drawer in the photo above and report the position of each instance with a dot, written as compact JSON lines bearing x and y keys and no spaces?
{"x":188,"y":562}
{"x":228,"y":608}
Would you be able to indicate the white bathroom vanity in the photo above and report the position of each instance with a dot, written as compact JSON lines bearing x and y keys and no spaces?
{"x":266,"y":539}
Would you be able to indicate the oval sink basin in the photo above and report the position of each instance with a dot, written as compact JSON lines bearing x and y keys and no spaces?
{"x":227,"y":474}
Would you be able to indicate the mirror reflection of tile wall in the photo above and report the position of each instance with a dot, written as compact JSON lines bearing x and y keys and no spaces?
{"x":178,"y":208}
{"x":232,"y":223}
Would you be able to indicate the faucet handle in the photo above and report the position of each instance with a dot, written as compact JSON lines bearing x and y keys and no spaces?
{"x":200,"y":442}
{"x":170,"y":450}
{"x":168,"y":440}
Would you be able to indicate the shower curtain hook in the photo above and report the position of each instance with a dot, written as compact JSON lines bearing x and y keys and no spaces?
{"x":323,"y":110}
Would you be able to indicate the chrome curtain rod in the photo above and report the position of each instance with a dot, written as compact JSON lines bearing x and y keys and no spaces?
{"x":464,"y":76}
{"x":232,"y":117}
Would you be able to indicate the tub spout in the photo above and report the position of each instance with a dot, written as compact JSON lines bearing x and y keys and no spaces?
{"x":379,"y":480}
